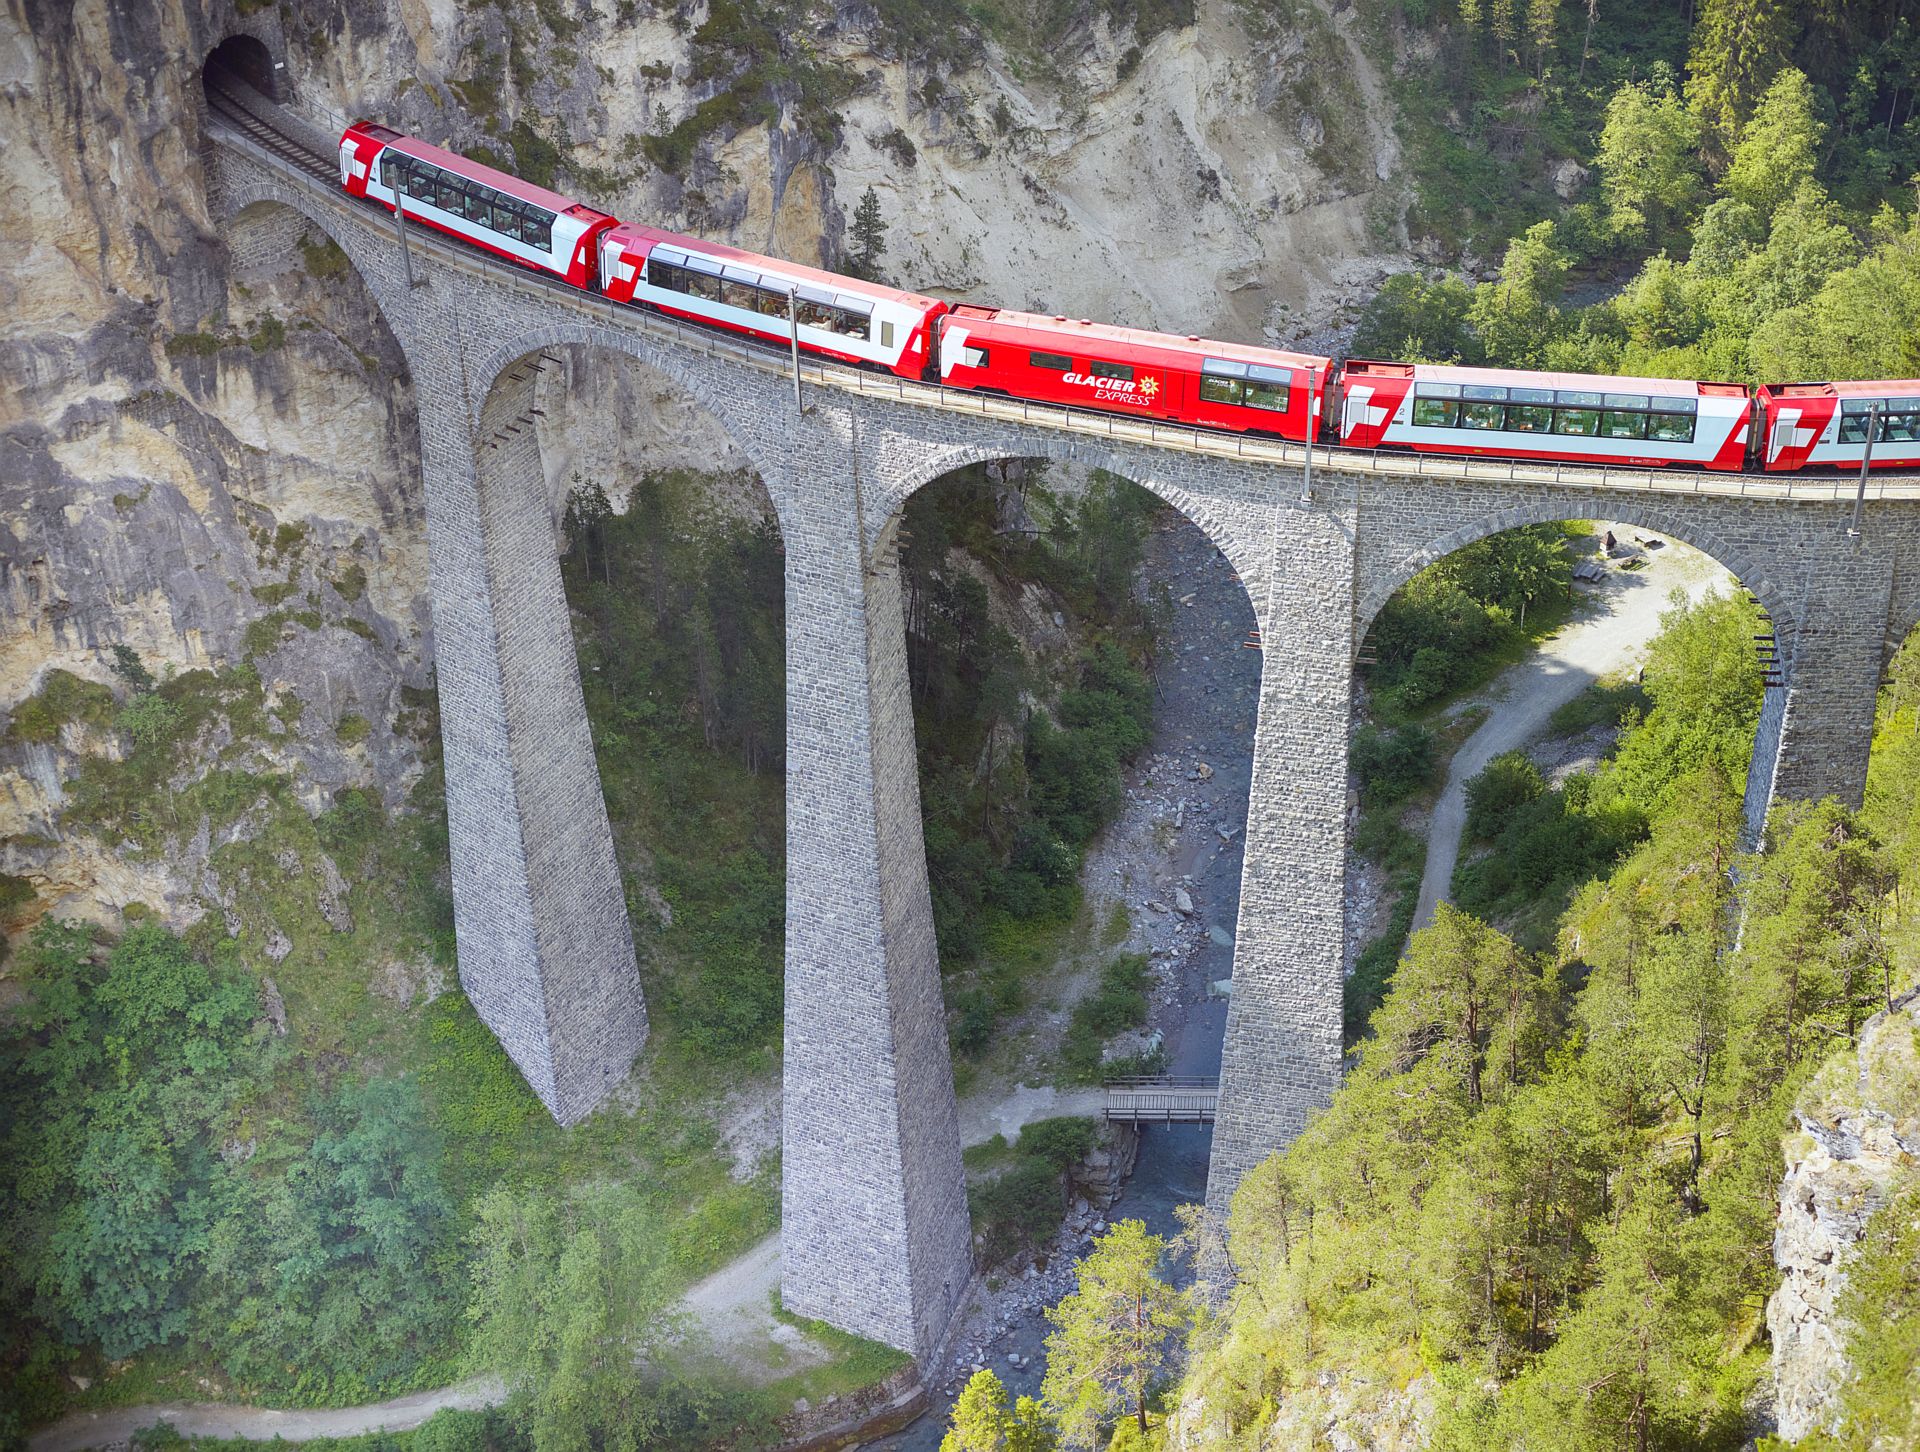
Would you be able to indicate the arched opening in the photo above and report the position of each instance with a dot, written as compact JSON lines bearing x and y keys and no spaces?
{"x":1531,"y":695}
{"x":619,"y":504}
{"x":246,"y":60}
{"x":1084,"y":706}
{"x":673,"y":568}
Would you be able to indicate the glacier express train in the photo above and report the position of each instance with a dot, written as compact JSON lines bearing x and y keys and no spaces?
{"x":1205,"y":383}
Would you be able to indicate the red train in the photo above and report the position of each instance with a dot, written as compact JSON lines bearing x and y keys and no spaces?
{"x":1204,"y":383}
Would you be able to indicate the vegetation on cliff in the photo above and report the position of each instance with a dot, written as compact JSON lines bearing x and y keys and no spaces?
{"x":1549,"y":1183}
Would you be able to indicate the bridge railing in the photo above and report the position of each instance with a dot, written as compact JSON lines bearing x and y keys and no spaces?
{"x":1112,"y":427}
{"x":1163,"y":1099}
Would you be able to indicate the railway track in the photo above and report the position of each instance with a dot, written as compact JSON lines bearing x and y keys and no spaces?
{"x":223,"y":99}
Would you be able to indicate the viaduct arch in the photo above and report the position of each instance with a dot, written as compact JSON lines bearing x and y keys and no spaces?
{"x":875,"y":1233}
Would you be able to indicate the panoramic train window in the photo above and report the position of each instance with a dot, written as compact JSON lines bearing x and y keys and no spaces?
{"x":1224,"y":381}
{"x":1267,"y":388}
{"x":1574,"y":413}
{"x":1111,"y":370}
{"x":1056,"y":362}
{"x":1899,"y":420}
{"x":750,"y":292}
{"x":512,"y":218}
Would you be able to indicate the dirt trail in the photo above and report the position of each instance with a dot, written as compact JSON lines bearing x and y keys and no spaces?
{"x":205,"y":1419}
{"x":1620,"y":616}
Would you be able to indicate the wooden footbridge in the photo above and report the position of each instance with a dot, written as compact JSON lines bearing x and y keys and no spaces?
{"x":1161,"y":1100}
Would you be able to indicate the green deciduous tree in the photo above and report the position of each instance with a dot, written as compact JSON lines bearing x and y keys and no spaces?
{"x":1777,"y":149}
{"x":1704,"y":681}
{"x":1113,"y":1336}
{"x":1418,"y":321}
{"x":331,"y":1257}
{"x":1518,"y":316}
{"x":571,"y":1307}
{"x":118,"y":1099}
{"x":1648,"y":163}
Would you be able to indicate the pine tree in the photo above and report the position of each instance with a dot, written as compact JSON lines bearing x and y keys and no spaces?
{"x":869,"y":236}
{"x":1112,"y":1336}
{"x":1738,"y":47}
{"x":983,"y":1421}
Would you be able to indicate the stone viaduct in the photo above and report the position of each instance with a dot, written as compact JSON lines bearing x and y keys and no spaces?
{"x":875,"y":1228}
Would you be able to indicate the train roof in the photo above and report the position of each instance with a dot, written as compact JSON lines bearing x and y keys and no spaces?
{"x":720,"y":252}
{"x":1062,"y":327}
{"x":1855,"y":388}
{"x":473,"y":170}
{"x":1531,"y":378}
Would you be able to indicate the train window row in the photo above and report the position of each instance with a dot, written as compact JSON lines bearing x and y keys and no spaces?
{"x":736,"y":287}
{"x":507,"y":216}
{"x":1576,"y":413}
{"x":1251,"y":385}
{"x":1899,"y":420}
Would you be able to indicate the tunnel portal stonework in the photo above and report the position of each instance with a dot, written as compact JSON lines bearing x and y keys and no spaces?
{"x":874,"y":1213}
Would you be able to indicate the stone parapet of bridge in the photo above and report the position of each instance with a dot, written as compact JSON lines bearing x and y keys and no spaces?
{"x":875,"y":1228}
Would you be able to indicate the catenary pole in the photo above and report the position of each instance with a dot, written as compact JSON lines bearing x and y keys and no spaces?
{"x":1866,"y":462}
{"x":793,"y":337}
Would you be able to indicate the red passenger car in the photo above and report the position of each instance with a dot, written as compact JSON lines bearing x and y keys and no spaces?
{"x":1810,"y":424}
{"x":506,"y":216}
{"x":1575,"y":417}
{"x":1128,"y":370}
{"x":838,"y":317}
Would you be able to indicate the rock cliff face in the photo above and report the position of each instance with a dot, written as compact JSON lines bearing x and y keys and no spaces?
{"x":217,"y":470}
{"x":206,"y":469}
{"x":1857,"y":1148}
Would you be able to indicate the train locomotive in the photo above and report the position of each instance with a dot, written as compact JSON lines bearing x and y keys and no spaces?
{"x":1078,"y":363}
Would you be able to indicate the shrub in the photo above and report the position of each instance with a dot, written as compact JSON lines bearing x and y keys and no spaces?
{"x":1117,"y":1003}
{"x":1062,"y":1142}
{"x":1392,"y":764}
{"x":1017,"y":1210}
{"x":352,"y":729}
{"x":1504,"y":785}
{"x":150,"y":719}
{"x":63,"y":697}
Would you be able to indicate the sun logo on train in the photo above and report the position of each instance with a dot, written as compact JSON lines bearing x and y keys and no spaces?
{"x":1150,"y":386}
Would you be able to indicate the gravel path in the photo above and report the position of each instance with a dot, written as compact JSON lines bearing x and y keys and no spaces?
{"x":202,"y":1419}
{"x":1620,"y":616}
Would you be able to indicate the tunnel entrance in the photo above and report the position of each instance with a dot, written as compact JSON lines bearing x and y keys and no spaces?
{"x":244,"y":59}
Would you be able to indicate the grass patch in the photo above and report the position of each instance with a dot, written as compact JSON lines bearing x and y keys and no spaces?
{"x":351,"y":581}
{"x":194,"y":345}
{"x":63,"y":697}
{"x":1117,"y":1003}
{"x":323,"y":258}
{"x":1603,"y":704}
{"x":855,"y":1363}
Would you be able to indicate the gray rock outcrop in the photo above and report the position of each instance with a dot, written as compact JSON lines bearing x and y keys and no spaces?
{"x":1858,"y":1145}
